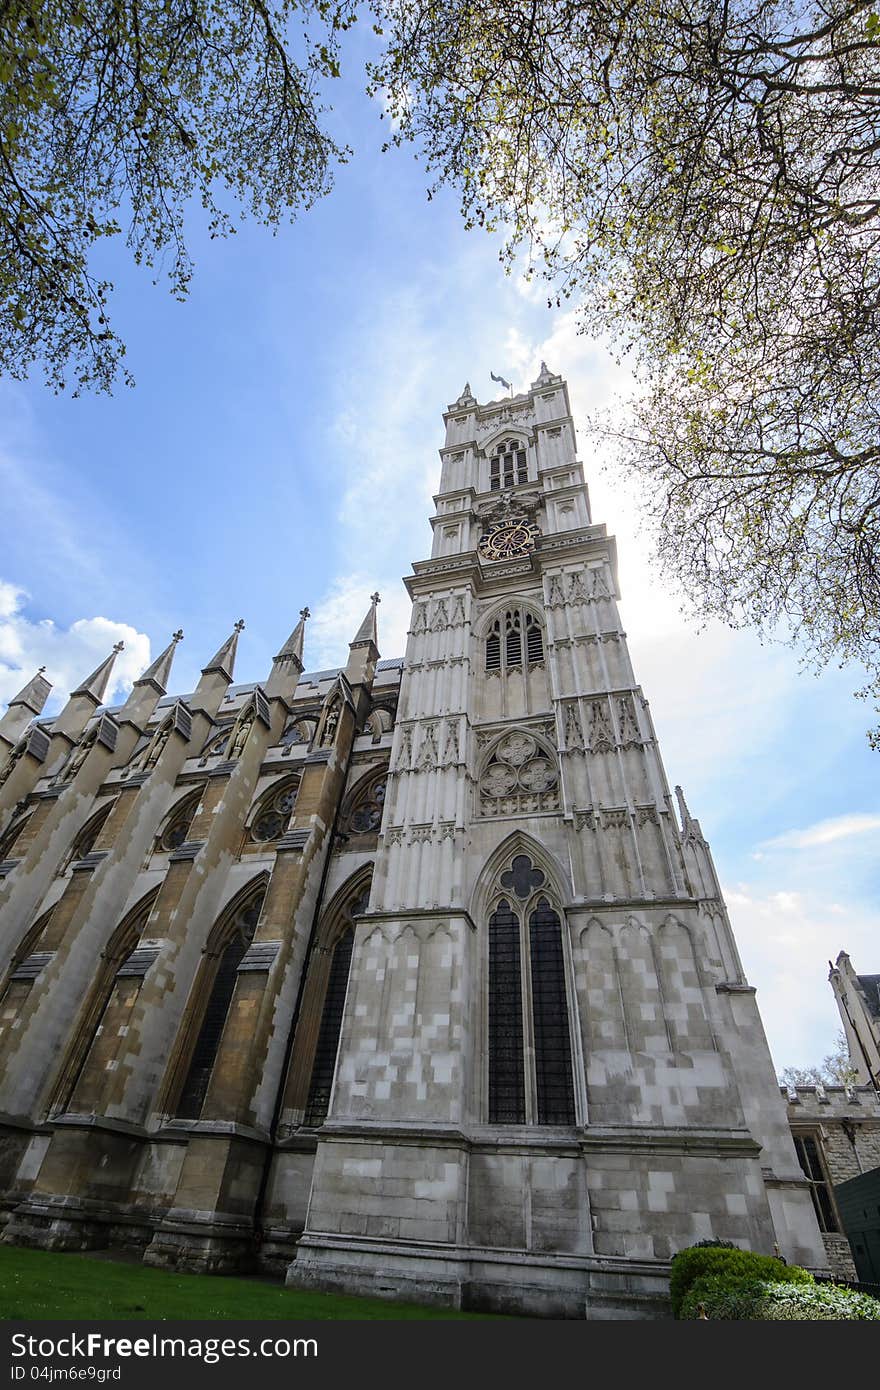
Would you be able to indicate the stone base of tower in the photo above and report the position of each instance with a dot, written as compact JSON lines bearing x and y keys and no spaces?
{"x":71,"y":1223}
{"x":202,"y":1243}
{"x":497,"y":1281}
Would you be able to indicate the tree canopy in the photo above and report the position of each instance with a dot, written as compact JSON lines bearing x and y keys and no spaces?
{"x":113,"y":115}
{"x":702,"y":181}
{"x":836,"y":1069}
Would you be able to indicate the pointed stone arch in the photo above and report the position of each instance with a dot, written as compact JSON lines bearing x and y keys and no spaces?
{"x":505,"y":430}
{"x":200,"y":1033}
{"x":517,"y":773}
{"x":26,"y":964}
{"x":122,"y":943}
{"x":360,"y":817}
{"x":13,"y":831}
{"x":519,"y":842}
{"x":175,"y":826}
{"x":319,"y":1025}
{"x":267,"y":819}
{"x":485,"y":622}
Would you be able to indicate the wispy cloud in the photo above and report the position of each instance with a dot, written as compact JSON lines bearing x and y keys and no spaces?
{"x":339,"y":612}
{"x":786,"y":938}
{"x":825,"y":832}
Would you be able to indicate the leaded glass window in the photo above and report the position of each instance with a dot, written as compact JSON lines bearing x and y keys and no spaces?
{"x":365,"y":815}
{"x":274,"y":813}
{"x":328,"y":1035}
{"x":529,"y":1040}
{"x":327,"y":1047}
{"x":810,"y":1159}
{"x":177,"y":830}
{"x":240,"y":934}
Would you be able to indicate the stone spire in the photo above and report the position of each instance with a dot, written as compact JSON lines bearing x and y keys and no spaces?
{"x":157,"y":674}
{"x":22,"y":708}
{"x":288,"y":664}
{"x":689,"y":826}
{"x":95,"y":685}
{"x":545,"y":376}
{"x":293,"y":647}
{"x":224,"y":660}
{"x":33,"y":695}
{"x":368,"y":631}
{"x":363,"y":651}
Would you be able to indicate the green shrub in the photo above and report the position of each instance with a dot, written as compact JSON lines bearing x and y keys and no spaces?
{"x":750,"y":1300}
{"x":703,"y":1261}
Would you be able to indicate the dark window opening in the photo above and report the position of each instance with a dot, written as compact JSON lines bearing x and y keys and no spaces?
{"x":328,"y":1034}
{"x":534,"y":641}
{"x":811,"y":1163}
{"x":195,"y":1087}
{"x":513,"y":652}
{"x":507,"y":1104}
{"x":553,"y":1075}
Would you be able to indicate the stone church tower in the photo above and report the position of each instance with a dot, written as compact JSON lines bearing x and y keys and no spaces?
{"x":404,"y":977}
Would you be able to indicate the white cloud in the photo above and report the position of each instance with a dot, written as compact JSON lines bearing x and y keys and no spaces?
{"x":825,"y":832}
{"x":339,"y":614}
{"x":785,"y":938}
{"x":69,"y":655}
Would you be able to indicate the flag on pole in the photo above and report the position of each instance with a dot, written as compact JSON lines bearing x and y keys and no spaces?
{"x":501,"y":381}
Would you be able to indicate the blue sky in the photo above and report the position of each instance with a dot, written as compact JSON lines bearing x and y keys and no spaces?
{"x":280,"y":448}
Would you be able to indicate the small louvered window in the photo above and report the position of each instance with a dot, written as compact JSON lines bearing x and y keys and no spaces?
{"x":513,"y":639}
{"x":493,"y":648}
{"x":534,"y":641}
{"x":510,"y":652}
{"x":509,"y":464}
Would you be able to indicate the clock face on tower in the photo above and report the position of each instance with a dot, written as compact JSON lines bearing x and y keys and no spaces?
{"x":509,"y":539}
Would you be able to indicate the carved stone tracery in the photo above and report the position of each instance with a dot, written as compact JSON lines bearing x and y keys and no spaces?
{"x":520,"y":777}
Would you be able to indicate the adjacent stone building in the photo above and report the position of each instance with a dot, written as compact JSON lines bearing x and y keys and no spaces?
{"x":408,"y":977}
{"x":836,"y":1132}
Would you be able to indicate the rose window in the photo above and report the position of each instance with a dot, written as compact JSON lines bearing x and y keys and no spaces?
{"x":271,"y":821}
{"x":366,"y":817}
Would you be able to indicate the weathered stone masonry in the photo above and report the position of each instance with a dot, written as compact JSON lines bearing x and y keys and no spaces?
{"x":408,"y":977}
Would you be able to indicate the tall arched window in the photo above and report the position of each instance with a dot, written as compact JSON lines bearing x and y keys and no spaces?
{"x":8,"y":840}
{"x":508,"y":465}
{"x":176,"y":828}
{"x":529,"y":1040}
{"x":316,"y":1045}
{"x":94,"y":1043}
{"x":505,"y":647}
{"x":86,"y":838}
{"x":234,"y":941}
{"x":327,"y":1047}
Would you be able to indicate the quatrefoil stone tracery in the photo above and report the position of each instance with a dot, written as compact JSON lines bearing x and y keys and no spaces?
{"x":522,"y":877}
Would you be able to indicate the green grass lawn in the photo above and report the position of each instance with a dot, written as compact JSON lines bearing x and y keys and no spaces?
{"x":40,"y":1284}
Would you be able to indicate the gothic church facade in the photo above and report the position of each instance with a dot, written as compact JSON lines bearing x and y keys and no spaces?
{"x":408,"y":977}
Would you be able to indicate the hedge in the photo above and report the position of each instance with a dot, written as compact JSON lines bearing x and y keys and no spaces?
{"x":745,"y":1300}
{"x":704,"y":1261}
